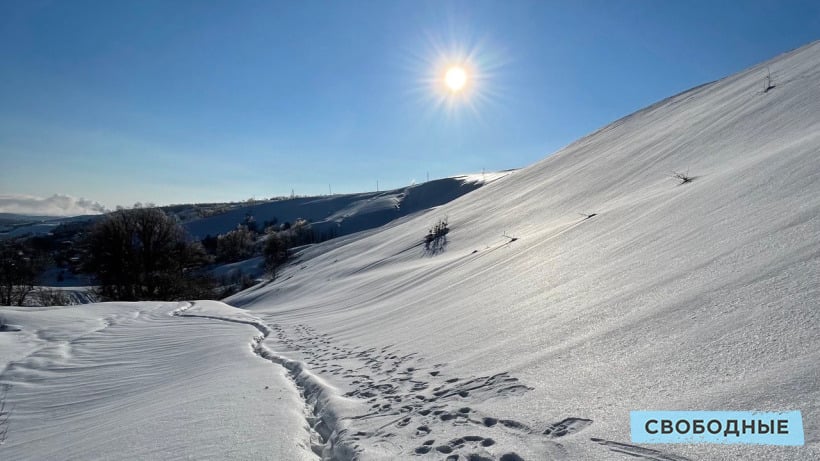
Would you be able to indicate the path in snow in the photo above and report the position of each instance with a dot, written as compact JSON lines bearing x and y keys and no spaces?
{"x":410,"y":399}
{"x":393,"y":398}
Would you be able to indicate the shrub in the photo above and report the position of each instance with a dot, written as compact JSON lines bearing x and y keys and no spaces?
{"x":52,"y":297}
{"x":209,"y":243}
{"x":235,"y":245}
{"x":275,"y":252}
{"x":301,"y":233}
{"x":436,"y":238}
{"x":683,"y":177}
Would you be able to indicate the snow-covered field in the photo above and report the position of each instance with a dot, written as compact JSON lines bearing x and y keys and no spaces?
{"x":567,"y":294}
{"x":134,"y":381}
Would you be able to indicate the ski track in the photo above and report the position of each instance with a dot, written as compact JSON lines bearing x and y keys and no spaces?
{"x":406,"y":398}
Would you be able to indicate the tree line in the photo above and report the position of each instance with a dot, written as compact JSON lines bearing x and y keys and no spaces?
{"x":145,"y":254}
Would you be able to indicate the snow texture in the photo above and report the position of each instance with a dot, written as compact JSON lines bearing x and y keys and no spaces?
{"x":567,"y":294}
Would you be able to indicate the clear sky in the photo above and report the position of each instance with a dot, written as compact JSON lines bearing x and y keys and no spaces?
{"x":174,"y":101}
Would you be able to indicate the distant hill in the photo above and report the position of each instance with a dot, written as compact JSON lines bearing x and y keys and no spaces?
{"x":16,"y":225}
{"x":344,"y":213}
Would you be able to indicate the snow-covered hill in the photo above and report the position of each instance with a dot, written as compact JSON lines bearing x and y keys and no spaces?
{"x":345,"y":213}
{"x":14,"y":225}
{"x":701,"y":295}
{"x":567,"y":294}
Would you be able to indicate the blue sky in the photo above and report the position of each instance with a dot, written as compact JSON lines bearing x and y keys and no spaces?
{"x":195,"y":101}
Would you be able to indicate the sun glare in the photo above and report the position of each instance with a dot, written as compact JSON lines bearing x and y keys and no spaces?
{"x":455,"y":78}
{"x":460,"y":77}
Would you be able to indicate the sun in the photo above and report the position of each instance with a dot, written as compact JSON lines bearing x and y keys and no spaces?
{"x":459,"y":78}
{"x":455,"y":78}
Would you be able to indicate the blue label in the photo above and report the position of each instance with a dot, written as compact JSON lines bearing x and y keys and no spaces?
{"x":762,"y":428}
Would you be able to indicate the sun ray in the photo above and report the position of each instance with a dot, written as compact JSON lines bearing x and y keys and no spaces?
{"x":458,"y":80}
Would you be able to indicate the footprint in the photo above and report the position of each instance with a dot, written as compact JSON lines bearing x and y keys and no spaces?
{"x":514,"y":425}
{"x":639,"y":452}
{"x":477,"y":457}
{"x":567,"y":426}
{"x":512,"y":391}
{"x":456,"y":443}
{"x":510,"y":457}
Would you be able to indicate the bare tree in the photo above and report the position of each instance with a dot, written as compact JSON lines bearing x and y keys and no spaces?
{"x":235,"y":245}
{"x":275,"y":252}
{"x":19,"y":267}
{"x":143,"y":254}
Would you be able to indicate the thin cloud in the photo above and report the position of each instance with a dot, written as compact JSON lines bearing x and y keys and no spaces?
{"x":56,"y":205}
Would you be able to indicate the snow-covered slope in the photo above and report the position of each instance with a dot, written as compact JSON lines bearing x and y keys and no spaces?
{"x":701,"y":295}
{"x":567,"y":294}
{"x":14,"y":225}
{"x":347,"y":213}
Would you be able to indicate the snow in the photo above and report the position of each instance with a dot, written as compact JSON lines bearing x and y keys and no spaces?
{"x":13,"y":225}
{"x":252,"y":267}
{"x":344,"y":213}
{"x":568,"y":293}
{"x":143,"y":384}
{"x":694,"y":296}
